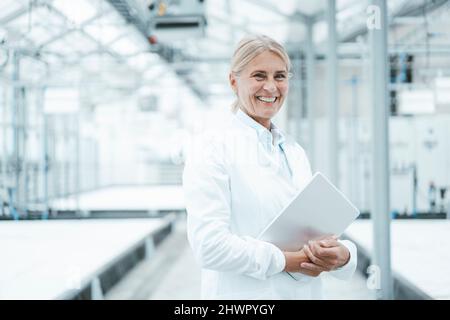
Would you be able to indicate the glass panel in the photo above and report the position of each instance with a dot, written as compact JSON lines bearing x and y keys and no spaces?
{"x":73,"y":43}
{"x":76,"y":11}
{"x":40,"y":35}
{"x":127,"y":45}
{"x":104,"y":33}
{"x":9,"y":7}
{"x":143,"y":61}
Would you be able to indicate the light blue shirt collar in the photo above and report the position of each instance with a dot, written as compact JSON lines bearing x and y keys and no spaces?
{"x":264,"y":135}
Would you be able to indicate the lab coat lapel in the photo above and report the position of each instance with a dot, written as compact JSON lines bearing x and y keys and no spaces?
{"x":292,"y":159}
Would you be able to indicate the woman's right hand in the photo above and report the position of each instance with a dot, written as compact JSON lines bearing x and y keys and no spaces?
{"x":293,"y":261}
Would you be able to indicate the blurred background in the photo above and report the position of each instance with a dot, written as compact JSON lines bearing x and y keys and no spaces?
{"x":99,"y":100}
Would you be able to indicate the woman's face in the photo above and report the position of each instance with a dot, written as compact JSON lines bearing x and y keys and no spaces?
{"x":262,"y":86}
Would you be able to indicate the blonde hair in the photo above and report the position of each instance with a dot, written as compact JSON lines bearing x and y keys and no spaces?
{"x":249,"y":48}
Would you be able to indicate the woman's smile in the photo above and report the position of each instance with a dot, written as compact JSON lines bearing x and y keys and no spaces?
{"x":267,"y":100}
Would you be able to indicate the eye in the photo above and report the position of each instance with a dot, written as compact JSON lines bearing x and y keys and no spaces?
{"x":280,"y":76}
{"x":259,"y":76}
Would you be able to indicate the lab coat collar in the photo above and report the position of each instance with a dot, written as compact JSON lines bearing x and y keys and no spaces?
{"x":265,"y":136}
{"x":285,"y":143}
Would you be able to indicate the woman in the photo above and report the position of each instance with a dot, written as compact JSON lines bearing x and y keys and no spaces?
{"x":238,"y":179}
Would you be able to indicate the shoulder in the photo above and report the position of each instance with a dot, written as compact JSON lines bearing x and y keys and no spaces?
{"x":224,"y":131}
{"x":209,"y":143}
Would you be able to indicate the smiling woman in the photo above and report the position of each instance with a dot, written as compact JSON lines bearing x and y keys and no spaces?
{"x":249,"y":171}
{"x":262,"y":85}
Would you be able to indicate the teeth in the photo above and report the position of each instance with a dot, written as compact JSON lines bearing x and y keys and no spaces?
{"x":264,"y":99}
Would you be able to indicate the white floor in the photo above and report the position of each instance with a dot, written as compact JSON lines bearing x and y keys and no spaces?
{"x":151,"y":198}
{"x":47,"y":259}
{"x":420,"y":252}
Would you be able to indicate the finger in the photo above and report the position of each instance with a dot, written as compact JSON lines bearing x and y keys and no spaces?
{"x":329,"y":243}
{"x":313,"y":258}
{"x":328,"y":253}
{"x":327,"y":265}
{"x":323,"y":253}
{"x":312,"y":267}
{"x":308,"y":273}
{"x":314,"y":247}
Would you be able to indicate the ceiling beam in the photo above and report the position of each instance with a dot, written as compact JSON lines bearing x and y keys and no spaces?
{"x":297,"y":16}
{"x":70,"y":30}
{"x":14,"y":15}
{"x":137,"y":16}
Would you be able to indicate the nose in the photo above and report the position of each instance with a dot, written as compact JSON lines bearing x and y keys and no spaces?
{"x":270,"y":85}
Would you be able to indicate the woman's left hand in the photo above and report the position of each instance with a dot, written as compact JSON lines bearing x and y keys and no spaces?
{"x":326,"y":255}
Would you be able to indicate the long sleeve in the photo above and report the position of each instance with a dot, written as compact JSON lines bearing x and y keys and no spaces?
{"x":346,"y":272}
{"x":208,"y":202}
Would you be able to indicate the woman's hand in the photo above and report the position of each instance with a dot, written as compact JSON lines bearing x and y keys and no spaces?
{"x":325,"y":255}
{"x":295,"y":259}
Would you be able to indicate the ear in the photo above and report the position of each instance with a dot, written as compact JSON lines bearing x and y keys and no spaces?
{"x":233,"y":82}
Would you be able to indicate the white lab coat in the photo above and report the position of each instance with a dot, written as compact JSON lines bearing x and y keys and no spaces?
{"x":232,"y":191}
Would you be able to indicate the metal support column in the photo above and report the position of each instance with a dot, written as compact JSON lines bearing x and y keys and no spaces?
{"x":310,"y":76}
{"x":4,"y":151}
{"x":44,"y":156}
{"x":16,"y":160}
{"x":355,"y":171}
{"x":65,"y":157}
{"x":299,"y":96}
{"x":24,"y":132}
{"x":293,"y":100}
{"x":333,"y":106}
{"x":77,"y":191}
{"x":380,"y":160}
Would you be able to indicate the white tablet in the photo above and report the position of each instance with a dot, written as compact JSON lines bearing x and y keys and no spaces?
{"x":317,"y":210}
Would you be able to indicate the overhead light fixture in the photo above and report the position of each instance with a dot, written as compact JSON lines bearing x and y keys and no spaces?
{"x":177,"y":21}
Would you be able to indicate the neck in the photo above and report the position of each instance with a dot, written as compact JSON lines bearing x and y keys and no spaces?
{"x":262,"y":121}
